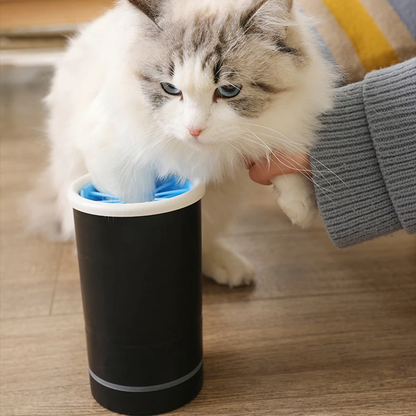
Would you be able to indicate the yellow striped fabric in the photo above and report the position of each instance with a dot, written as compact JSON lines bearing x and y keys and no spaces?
{"x":368,"y":31}
{"x":370,"y":43}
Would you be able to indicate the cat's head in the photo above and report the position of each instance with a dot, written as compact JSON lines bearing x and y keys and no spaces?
{"x":211,"y":68}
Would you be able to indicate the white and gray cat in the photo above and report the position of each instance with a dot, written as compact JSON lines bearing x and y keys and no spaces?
{"x":193,"y":88}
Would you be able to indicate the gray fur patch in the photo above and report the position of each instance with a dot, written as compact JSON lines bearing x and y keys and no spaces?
{"x":145,"y":77}
{"x":249,"y":107}
{"x":217,"y":72}
{"x":266,"y":87}
{"x":156,"y":99}
{"x":152,"y":90}
{"x":172,"y":69}
{"x":247,"y":16}
{"x":282,"y":47}
{"x":151,"y":8}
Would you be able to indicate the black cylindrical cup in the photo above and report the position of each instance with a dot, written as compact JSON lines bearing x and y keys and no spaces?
{"x":140,"y":268}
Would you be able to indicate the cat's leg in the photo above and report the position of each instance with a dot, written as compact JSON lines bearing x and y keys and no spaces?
{"x":296,"y":198}
{"x":219,"y":262}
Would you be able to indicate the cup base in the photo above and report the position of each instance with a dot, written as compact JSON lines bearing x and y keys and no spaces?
{"x":146,"y":404}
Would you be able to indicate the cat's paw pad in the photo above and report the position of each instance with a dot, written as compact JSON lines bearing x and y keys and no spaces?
{"x":227,"y":268}
{"x":301,"y":211}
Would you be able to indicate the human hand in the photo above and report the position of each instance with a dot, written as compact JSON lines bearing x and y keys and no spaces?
{"x":281,"y":163}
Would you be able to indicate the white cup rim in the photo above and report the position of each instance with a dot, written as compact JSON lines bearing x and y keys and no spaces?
{"x":131,"y":210}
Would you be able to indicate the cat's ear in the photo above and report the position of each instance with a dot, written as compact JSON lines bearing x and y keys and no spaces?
{"x":274,"y":9}
{"x":151,"y":8}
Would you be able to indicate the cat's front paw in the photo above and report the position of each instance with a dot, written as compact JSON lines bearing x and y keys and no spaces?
{"x":226,"y":267}
{"x":301,"y":209}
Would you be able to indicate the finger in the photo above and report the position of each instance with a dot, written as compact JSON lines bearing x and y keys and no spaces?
{"x":260,"y":173}
{"x":280,"y":164}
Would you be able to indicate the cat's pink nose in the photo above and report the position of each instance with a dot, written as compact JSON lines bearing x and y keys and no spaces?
{"x":195,"y":132}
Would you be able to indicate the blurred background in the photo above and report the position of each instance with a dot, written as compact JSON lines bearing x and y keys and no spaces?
{"x":33,"y":32}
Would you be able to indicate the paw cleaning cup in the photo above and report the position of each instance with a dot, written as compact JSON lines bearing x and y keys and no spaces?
{"x":140,"y":269}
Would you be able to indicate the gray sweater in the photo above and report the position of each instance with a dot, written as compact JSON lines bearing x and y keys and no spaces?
{"x":365,"y":157}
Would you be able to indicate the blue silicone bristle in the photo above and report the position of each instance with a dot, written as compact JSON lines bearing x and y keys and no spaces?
{"x":166,"y":188}
{"x":89,"y":192}
{"x":170,"y":187}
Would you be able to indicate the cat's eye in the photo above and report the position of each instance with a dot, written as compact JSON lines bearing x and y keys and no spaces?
{"x":170,"y":89}
{"x":228,"y":91}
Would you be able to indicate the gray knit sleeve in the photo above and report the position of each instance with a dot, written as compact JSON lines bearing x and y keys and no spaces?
{"x":364,"y":162}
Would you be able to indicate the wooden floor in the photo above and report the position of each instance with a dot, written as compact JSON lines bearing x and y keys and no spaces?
{"x":323,"y":331}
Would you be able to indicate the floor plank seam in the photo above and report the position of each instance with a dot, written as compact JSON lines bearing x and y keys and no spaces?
{"x":320,"y":295}
{"x":311,"y":395}
{"x":282,"y":232}
{"x":55,"y":282}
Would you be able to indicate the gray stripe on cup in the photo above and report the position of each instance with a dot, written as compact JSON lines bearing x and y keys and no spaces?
{"x":147,"y":389}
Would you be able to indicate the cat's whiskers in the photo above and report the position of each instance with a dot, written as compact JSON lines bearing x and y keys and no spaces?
{"x":201,"y":160}
{"x":293,"y":149}
{"x":305,"y":175}
{"x":302,"y":148}
{"x":300,"y":169}
{"x":300,"y":151}
{"x":265,"y":145}
{"x":160,"y":137}
{"x":290,"y":163}
{"x":296,"y":151}
{"x":167,"y":144}
{"x":240,"y":152}
{"x":247,"y":159}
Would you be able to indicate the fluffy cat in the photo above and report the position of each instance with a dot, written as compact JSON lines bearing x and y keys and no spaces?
{"x":193,"y":88}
